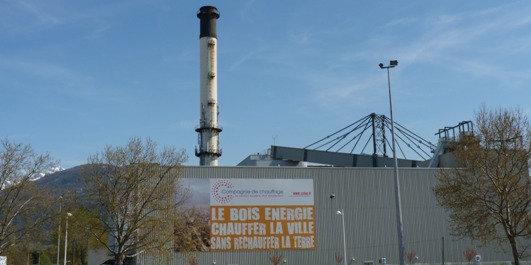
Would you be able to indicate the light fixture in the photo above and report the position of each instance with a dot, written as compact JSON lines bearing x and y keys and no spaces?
{"x":59,"y":233}
{"x":66,"y":236}
{"x":399,"y":228}
{"x":342,"y":213}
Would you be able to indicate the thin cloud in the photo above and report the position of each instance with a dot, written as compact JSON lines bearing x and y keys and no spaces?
{"x":461,"y":31}
{"x":42,"y":70}
{"x":242,"y":60}
{"x":337,"y":94}
{"x":61,"y":80}
{"x":246,"y":7}
{"x":301,"y":37}
{"x":100,"y":26}
{"x":444,"y":41}
{"x":401,"y":22}
{"x":39,"y":13}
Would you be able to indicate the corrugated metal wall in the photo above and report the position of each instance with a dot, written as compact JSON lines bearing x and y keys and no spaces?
{"x":367,"y":197}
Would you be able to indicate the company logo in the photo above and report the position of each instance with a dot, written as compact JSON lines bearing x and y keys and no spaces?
{"x":218,"y":191}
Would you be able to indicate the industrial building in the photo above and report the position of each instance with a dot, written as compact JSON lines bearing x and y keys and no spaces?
{"x":366,"y":198}
{"x":342,"y":209}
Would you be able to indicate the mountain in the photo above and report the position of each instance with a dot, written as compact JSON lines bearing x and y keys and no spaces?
{"x":65,"y":180}
{"x":50,"y":171}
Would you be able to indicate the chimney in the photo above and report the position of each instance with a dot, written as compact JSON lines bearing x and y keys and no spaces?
{"x":208,"y":129}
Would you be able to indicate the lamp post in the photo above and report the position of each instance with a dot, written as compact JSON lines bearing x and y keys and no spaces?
{"x":66,"y":235}
{"x":342,"y":213}
{"x":59,"y":234}
{"x":392,"y":64}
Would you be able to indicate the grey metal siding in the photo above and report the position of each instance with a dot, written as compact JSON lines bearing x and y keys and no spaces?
{"x":367,"y":197}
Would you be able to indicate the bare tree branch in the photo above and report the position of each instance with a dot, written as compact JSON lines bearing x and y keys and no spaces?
{"x":489,"y":195}
{"x":134,"y":189}
{"x":24,"y":208}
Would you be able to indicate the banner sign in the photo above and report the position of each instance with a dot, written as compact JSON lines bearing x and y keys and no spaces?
{"x":261,"y":214}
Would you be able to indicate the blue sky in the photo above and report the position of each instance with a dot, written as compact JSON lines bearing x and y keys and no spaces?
{"x":76,"y":76}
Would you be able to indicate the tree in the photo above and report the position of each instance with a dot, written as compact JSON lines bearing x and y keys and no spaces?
{"x":411,"y":257}
{"x":137,"y":191}
{"x":489,"y":195}
{"x":276,"y":258}
{"x":79,"y":238}
{"x":192,"y":230}
{"x":339,"y":258}
{"x":469,"y":254}
{"x":24,"y":209}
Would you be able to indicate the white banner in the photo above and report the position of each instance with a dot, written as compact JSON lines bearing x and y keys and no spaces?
{"x":261,"y":192}
{"x":262,"y":214}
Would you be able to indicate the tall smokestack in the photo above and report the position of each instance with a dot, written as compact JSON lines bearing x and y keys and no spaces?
{"x":208,"y":129}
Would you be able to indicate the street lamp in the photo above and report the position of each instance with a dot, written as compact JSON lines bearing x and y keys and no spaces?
{"x":59,"y":234}
{"x":392,"y":64}
{"x":66,"y":235}
{"x":342,"y":213}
